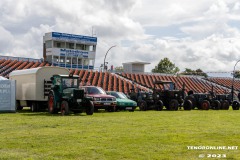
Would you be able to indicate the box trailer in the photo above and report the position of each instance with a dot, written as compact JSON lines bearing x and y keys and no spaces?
{"x":33,"y":85}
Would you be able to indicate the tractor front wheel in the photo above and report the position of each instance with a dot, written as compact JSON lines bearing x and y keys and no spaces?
{"x":64,"y":108}
{"x":235,"y":105}
{"x":173,"y":105}
{"x":159,"y":105}
{"x":90,"y":108}
{"x":143,"y":106}
{"x":216,"y":105}
{"x":187,"y":105}
{"x":225,"y":105}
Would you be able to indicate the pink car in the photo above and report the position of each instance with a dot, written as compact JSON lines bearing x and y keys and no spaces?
{"x":100,"y":98}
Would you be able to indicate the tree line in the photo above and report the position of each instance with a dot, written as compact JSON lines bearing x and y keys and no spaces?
{"x":166,"y":66}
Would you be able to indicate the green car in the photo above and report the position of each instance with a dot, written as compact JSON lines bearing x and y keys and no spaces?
{"x":123,"y":103}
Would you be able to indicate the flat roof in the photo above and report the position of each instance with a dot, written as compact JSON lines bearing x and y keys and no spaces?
{"x":136,"y":62}
{"x":32,"y":70}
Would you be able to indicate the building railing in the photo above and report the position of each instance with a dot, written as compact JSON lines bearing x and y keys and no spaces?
{"x":21,"y":59}
{"x":73,"y":66}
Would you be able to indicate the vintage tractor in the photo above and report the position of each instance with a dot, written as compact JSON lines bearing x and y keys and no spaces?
{"x":65,"y":96}
{"x":210,"y":100}
{"x":224,"y":99}
{"x":148,"y":101}
{"x":199,"y":100}
{"x":169,"y":95}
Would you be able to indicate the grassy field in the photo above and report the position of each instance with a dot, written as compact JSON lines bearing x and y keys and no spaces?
{"x":120,"y":135}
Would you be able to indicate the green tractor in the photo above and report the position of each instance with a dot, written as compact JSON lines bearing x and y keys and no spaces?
{"x":65,"y":96}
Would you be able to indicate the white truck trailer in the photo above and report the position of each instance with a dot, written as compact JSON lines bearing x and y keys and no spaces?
{"x":33,"y":85}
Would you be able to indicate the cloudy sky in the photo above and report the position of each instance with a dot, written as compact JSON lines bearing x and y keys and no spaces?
{"x":192,"y":34}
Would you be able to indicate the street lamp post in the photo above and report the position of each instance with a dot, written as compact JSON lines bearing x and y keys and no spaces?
{"x":106,"y":56}
{"x":233,"y":78}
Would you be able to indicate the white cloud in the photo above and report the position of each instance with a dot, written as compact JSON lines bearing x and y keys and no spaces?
{"x":207,"y":32}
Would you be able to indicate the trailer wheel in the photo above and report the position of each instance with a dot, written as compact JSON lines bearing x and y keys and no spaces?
{"x":235,"y":105}
{"x":90,"y":108}
{"x":143,"y":106}
{"x":34,"y":107}
{"x":18,"y":107}
{"x":64,"y":108}
{"x":187,"y":105}
{"x":159,"y":105}
{"x":173,"y":105}
{"x":205,"y":105}
{"x":225,"y":105}
{"x":216,"y":105}
{"x":51,"y":106}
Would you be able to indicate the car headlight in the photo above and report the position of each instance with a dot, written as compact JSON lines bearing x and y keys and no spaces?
{"x":144,"y":95}
{"x":114,"y":99}
{"x":157,"y":96}
{"x":96,"y":99}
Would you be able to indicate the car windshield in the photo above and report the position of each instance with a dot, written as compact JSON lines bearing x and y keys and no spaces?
{"x":69,"y":83}
{"x":118,"y":95}
{"x":122,"y":95}
{"x":168,"y":86}
{"x":95,"y":90}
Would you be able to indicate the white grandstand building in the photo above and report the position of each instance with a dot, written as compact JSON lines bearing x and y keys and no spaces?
{"x":69,"y":50}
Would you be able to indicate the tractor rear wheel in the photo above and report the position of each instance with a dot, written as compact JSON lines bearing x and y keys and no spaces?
{"x":192,"y":99}
{"x":225,"y":105}
{"x":216,"y":105}
{"x":159,"y":105}
{"x":64,"y":108}
{"x":51,"y":104}
{"x":235,"y":105}
{"x":205,"y":105}
{"x":143,"y":106}
{"x":173,"y":105}
{"x":187,"y":105}
{"x":90,"y":108}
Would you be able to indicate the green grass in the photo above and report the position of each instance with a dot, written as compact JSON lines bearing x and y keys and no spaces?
{"x":120,"y":135}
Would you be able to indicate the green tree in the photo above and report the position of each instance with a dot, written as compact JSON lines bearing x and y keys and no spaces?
{"x":198,"y":72}
{"x":165,"y":66}
{"x":237,"y":74}
{"x":119,"y":69}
